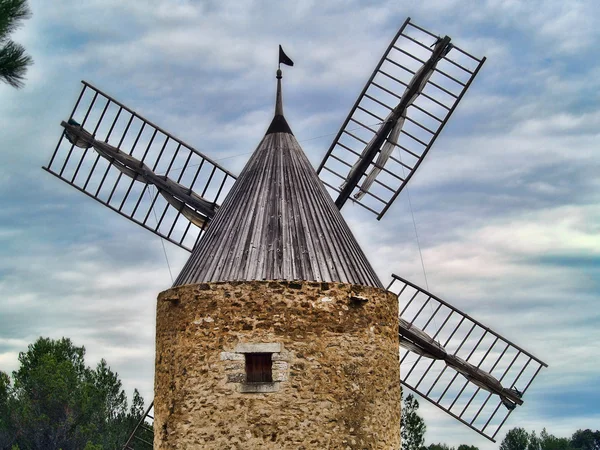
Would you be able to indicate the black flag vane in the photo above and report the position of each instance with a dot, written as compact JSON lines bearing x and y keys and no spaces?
{"x":284,"y":59}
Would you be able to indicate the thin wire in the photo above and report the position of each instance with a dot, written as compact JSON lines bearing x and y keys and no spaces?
{"x":162,"y":241}
{"x":417,"y":238}
{"x":303,"y":140}
{"x":414,"y":222}
{"x":220,"y":159}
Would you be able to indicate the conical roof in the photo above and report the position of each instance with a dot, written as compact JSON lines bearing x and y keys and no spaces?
{"x":278,"y":223}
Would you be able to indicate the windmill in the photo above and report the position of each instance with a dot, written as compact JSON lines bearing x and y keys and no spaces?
{"x":276,"y":231}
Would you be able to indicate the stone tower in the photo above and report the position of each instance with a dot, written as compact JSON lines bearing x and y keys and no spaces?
{"x":277,"y":334}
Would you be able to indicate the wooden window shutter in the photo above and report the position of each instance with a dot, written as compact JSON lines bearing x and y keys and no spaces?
{"x":258,"y":368}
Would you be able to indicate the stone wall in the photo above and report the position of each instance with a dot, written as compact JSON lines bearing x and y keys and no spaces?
{"x":336,"y":374}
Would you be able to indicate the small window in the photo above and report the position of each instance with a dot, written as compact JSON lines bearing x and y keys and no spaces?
{"x":258,"y":368}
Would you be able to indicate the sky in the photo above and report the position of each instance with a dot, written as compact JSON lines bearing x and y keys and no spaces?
{"x":506,"y":205}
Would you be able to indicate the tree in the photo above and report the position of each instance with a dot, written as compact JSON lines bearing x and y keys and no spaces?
{"x":5,"y":406}
{"x":412,"y":426}
{"x":56,"y":401}
{"x":467,"y":447}
{"x":534,"y":442}
{"x":550,"y":442}
{"x":586,"y":440}
{"x":439,"y":446}
{"x":515,"y":439}
{"x":519,"y":439}
{"x":13,"y":59}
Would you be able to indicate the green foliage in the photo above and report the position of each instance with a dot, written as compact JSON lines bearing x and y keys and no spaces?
{"x":586,"y":440}
{"x":519,"y":439}
{"x":534,"y":441}
{"x":412,"y":426}
{"x":56,"y":401}
{"x":467,"y":447}
{"x":550,"y":442}
{"x":13,"y":60}
{"x":5,"y":405}
{"x":439,"y":446}
{"x":516,"y":439}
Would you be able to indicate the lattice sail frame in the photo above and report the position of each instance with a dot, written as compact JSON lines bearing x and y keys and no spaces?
{"x":462,"y":336}
{"x":110,"y":121}
{"x":142,"y":436}
{"x":425,"y":118}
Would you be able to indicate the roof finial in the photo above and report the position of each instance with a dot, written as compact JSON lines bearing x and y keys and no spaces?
{"x":279,"y":125}
{"x":279,"y":100}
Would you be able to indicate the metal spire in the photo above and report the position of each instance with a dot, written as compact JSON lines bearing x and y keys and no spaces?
{"x":279,"y":99}
{"x":279,"y":124}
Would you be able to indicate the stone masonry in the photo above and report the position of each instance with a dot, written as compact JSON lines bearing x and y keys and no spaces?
{"x":336,"y":373}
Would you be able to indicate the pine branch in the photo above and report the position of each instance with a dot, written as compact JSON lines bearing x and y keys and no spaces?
{"x":12,"y":13}
{"x":13,"y":64}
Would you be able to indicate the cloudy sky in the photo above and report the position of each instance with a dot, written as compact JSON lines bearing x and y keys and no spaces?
{"x":507,"y":204}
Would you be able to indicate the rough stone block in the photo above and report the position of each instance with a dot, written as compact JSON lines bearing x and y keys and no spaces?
{"x":236,"y":377}
{"x":231,"y":356}
{"x":235,"y":365}
{"x":279,"y":375}
{"x":282,"y":356}
{"x":259,"y":388}
{"x":258,"y":348}
{"x":280,"y":365}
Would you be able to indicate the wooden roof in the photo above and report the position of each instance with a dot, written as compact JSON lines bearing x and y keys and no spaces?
{"x":278,"y":223}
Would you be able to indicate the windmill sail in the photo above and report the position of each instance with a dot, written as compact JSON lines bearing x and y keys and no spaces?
{"x":402,"y":109}
{"x":125,"y":162}
{"x":199,"y":211}
{"x":142,"y":436}
{"x":458,"y":364}
{"x":418,"y":341}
